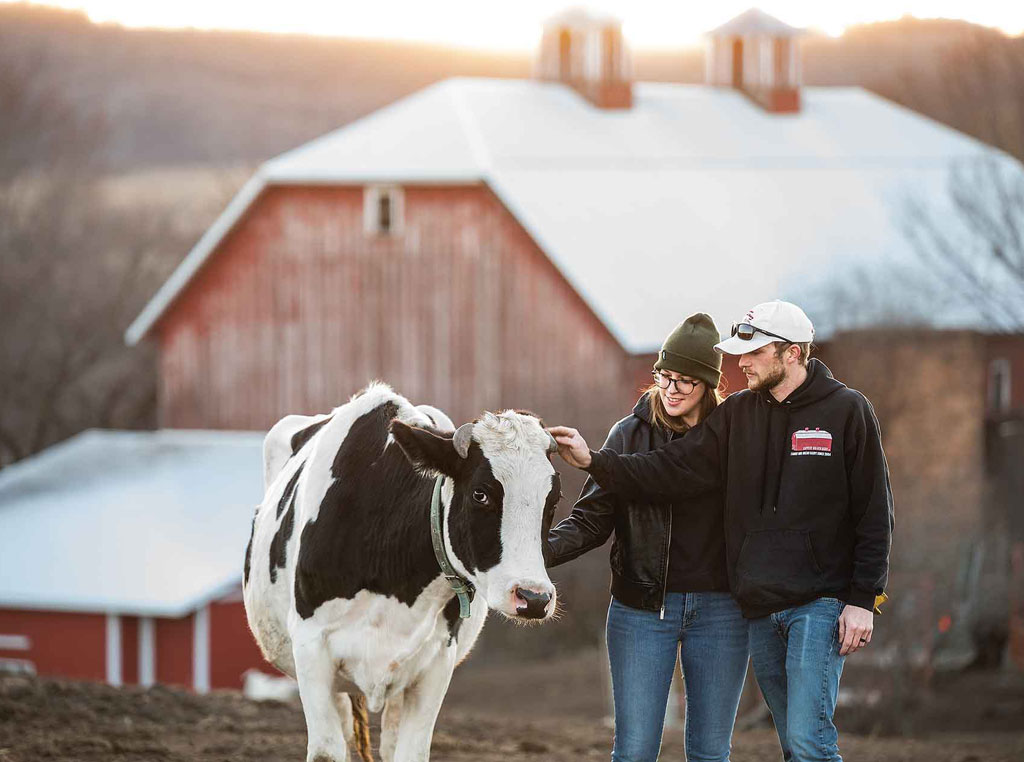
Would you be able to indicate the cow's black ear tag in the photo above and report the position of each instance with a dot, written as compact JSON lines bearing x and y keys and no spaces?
{"x":426,"y":450}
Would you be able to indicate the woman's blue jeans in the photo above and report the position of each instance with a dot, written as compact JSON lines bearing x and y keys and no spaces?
{"x":797,"y":664}
{"x":710,"y":636}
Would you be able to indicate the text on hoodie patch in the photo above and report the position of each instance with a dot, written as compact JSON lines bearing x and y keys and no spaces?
{"x":809,"y":442}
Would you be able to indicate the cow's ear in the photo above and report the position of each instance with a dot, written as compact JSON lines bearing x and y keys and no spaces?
{"x":428,"y":451}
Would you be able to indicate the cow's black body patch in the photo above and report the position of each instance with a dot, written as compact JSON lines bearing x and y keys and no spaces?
{"x":248,"y":548}
{"x":279,"y":545}
{"x":289,"y":490}
{"x":373,"y":528}
{"x":299,"y":438}
{"x":451,"y":616}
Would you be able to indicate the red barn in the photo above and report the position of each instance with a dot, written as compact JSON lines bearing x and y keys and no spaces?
{"x":487,"y":243}
{"x":128,"y":558}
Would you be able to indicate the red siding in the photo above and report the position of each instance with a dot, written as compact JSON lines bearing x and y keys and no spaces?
{"x":130,"y":650}
{"x":232,"y":647}
{"x":174,"y":651}
{"x":62,"y":644}
{"x":299,"y":308}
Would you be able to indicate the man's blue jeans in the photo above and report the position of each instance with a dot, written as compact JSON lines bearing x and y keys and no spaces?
{"x":710,"y":636}
{"x":797,"y":664}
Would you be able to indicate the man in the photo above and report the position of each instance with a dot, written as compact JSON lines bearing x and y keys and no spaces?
{"x":808,"y":514}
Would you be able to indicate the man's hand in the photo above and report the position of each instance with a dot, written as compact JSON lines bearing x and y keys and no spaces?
{"x":571,"y":446}
{"x":855,"y":627}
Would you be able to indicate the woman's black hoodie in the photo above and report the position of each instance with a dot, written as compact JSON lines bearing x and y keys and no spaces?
{"x":808,"y":506}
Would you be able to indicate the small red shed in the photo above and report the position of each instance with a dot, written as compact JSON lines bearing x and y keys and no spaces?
{"x":124,"y":558}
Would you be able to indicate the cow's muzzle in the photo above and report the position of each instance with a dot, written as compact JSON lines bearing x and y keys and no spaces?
{"x":531,"y":604}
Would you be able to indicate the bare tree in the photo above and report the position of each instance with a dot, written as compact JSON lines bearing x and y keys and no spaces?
{"x":977,"y":88}
{"x":961,"y":265}
{"x":969,"y":245}
{"x":70,"y":273}
{"x":972,"y":242}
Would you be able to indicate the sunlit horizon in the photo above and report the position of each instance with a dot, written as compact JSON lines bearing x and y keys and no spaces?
{"x":514,"y":28}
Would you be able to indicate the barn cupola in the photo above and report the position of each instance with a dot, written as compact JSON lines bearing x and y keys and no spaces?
{"x":758,"y":55}
{"x":587,"y":52}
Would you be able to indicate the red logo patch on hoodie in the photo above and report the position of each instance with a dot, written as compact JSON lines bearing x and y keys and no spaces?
{"x":807,"y":442}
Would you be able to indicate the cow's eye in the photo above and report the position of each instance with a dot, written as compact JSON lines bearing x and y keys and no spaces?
{"x":480,"y":496}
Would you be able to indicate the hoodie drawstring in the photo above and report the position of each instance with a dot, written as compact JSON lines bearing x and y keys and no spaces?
{"x":773,"y":495}
{"x":764,"y":460}
{"x":782,"y":459}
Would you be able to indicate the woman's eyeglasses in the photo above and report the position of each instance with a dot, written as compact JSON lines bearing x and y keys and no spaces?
{"x":682,"y":385}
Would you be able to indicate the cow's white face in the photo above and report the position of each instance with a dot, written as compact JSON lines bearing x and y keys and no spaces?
{"x":499,"y":503}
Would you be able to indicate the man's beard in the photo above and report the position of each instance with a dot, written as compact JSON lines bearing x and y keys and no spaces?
{"x":775,"y":377}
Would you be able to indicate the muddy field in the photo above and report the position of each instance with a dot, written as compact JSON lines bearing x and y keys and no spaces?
{"x":494,"y":714}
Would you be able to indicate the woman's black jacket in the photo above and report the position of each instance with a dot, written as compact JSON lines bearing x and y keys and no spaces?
{"x":659,"y":547}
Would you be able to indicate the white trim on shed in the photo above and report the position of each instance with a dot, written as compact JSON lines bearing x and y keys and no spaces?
{"x":113,"y":650}
{"x":147,"y":651}
{"x":201,"y":650}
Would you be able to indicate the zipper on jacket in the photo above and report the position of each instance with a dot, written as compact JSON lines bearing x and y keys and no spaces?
{"x":668,"y":553}
{"x":668,"y":541}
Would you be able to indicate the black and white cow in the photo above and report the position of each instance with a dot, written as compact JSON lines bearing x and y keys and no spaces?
{"x":342,"y":587}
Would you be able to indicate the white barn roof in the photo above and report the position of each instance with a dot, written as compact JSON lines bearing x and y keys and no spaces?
{"x":144,"y":523}
{"x":693,"y":199}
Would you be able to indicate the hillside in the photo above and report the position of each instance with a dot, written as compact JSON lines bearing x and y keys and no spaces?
{"x":228,"y":98}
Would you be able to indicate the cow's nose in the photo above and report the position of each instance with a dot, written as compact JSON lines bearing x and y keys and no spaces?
{"x":531,"y":604}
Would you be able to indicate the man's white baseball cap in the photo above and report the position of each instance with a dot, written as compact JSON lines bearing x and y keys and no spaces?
{"x":765,"y":323}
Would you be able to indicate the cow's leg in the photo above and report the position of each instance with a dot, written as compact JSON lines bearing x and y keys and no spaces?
{"x":389,"y":726}
{"x":314,"y":671}
{"x":344,"y":703}
{"x":420,"y":705}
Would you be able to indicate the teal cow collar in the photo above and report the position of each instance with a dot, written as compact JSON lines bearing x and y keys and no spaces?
{"x":461,"y":586}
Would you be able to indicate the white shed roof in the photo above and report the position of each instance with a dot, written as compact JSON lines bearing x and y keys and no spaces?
{"x":145,"y":523}
{"x":693,"y":199}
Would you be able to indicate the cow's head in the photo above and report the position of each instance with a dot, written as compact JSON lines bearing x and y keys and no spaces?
{"x":499,"y":499}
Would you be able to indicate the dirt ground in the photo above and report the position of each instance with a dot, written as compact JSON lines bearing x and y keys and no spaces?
{"x":494,"y":713}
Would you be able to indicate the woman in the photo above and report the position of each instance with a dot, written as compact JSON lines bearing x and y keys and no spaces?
{"x":669,"y":585}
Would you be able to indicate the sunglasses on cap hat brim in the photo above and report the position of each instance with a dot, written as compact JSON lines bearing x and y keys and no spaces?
{"x":746,"y":331}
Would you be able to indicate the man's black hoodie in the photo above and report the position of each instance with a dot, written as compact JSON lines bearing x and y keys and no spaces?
{"x":808,"y":506}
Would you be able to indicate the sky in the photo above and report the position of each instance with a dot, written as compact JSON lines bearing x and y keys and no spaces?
{"x":515,"y":26}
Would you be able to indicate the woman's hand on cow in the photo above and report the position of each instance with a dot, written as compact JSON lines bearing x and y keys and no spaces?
{"x":571,"y":446}
{"x":855,"y":628}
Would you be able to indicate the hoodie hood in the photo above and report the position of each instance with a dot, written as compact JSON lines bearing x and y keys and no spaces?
{"x":818,"y":385}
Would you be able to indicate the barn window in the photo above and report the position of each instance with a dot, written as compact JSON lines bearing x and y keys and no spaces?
{"x":999,"y":385}
{"x":382,"y":210}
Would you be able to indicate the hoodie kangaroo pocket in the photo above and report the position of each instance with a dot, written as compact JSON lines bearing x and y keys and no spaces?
{"x":776,"y":566}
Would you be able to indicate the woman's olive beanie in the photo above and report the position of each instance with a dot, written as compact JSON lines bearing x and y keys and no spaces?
{"x":690,"y":350}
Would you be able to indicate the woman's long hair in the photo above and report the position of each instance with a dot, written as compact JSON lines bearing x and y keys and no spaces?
{"x":661,"y":418}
